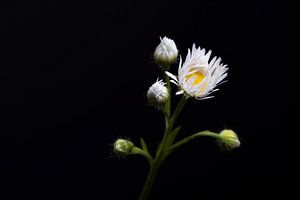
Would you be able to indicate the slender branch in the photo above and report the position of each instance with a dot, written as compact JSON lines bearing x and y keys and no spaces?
{"x":149,"y":182}
{"x":162,"y":151}
{"x":160,"y":154}
{"x":191,"y":137}
{"x":136,"y":150}
{"x":178,"y":109}
{"x":165,"y":112}
{"x":168,"y":103}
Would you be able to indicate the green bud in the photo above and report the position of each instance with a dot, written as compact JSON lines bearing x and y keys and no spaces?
{"x":123,"y":147}
{"x":229,"y":139}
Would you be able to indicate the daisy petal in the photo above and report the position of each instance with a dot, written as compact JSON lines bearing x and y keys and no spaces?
{"x":172,"y":76}
{"x":179,"y":92}
{"x":174,"y":82}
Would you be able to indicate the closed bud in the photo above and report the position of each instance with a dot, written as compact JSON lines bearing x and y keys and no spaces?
{"x":123,"y":147}
{"x":229,"y":140}
{"x":157,"y":94}
{"x":165,"y":53}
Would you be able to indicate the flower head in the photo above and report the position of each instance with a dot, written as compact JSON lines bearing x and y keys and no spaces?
{"x":158,"y":93}
{"x":197,"y":76}
{"x":165,"y":53}
{"x":229,"y":139}
{"x":123,"y":147}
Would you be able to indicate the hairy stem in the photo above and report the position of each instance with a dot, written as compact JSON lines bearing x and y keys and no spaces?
{"x":191,"y":137}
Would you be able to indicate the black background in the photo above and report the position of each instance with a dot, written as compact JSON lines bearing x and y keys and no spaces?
{"x":74,"y":77}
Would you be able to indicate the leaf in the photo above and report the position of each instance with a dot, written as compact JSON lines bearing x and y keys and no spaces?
{"x":173,"y":135}
{"x":144,"y":145}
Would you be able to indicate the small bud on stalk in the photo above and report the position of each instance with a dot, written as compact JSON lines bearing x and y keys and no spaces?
{"x":229,"y":140}
{"x":123,"y":147}
{"x":157,"y":94}
{"x":165,"y":53}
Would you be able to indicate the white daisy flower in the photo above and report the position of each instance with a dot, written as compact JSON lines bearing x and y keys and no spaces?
{"x":158,"y":93}
{"x":165,"y":53}
{"x":197,"y":77}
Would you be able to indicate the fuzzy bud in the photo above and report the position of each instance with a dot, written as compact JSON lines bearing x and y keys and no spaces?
{"x":123,"y":147}
{"x":157,"y":94}
{"x":229,"y":140}
{"x":165,"y":53}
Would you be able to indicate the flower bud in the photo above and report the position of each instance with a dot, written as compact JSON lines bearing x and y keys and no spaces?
{"x":229,"y":139}
{"x":165,"y":53}
{"x":123,"y":147}
{"x":157,"y":94}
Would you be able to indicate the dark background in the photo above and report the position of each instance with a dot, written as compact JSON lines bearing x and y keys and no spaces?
{"x":74,"y":78}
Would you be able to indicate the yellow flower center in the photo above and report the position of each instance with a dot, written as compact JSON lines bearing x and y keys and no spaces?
{"x":199,"y":77}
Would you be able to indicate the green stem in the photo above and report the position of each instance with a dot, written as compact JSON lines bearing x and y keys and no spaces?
{"x":168,"y":125}
{"x":146,"y":154}
{"x":149,"y":182}
{"x":168,"y":103}
{"x":162,"y":150}
{"x":159,"y":158}
{"x":191,"y":137}
{"x":178,"y":109}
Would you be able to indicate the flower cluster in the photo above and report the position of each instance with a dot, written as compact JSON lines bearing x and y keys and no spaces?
{"x":198,"y":77}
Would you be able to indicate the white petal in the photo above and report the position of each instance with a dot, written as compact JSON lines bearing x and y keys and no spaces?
{"x":180,"y":65}
{"x":172,"y":76}
{"x":208,"y":54}
{"x":203,"y":98}
{"x":174,"y":82}
{"x":179,"y":92}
